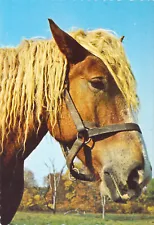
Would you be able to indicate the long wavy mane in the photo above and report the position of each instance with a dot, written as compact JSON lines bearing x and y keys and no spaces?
{"x":32,"y":77}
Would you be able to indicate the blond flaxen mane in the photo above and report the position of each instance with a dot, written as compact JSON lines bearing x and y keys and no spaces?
{"x":105,"y":45}
{"x":32,"y":76}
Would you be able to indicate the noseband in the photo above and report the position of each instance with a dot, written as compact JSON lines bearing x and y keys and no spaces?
{"x":85,"y":134}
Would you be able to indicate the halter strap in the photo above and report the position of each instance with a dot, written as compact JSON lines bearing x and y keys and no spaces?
{"x":83,"y":135}
{"x":74,"y":113}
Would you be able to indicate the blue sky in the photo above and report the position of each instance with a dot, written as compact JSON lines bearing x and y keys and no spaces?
{"x":21,"y":19}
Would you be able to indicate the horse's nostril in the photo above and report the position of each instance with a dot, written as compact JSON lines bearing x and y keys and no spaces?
{"x":133,"y":178}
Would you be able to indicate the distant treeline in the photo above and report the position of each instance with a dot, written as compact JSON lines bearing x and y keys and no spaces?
{"x":61,"y":194}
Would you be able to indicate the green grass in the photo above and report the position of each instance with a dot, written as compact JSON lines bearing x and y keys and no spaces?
{"x":31,"y":218}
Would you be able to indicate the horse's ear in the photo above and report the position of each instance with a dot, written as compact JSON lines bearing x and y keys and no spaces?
{"x":122,"y":38}
{"x":73,"y":51}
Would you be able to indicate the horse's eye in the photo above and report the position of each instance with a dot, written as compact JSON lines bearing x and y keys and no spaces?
{"x":97,"y":83}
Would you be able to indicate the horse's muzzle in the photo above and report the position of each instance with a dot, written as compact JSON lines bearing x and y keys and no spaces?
{"x":121,"y":190}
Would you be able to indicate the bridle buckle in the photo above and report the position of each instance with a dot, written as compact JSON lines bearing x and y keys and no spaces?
{"x":83,"y":135}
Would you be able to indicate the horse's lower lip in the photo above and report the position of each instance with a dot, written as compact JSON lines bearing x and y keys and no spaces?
{"x":115,"y":192}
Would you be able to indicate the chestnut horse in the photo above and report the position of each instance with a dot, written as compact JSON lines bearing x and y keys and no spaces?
{"x":81,"y":89}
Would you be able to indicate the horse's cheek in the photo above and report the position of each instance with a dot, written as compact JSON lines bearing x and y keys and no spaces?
{"x":64,"y":128}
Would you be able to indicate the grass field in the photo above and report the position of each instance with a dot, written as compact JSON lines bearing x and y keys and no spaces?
{"x":28,"y":218}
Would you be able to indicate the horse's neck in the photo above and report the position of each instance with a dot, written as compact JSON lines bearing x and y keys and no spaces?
{"x":34,"y":139}
{"x":16,"y":144}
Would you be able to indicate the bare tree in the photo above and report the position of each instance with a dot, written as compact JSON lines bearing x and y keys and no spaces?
{"x":53,"y":180}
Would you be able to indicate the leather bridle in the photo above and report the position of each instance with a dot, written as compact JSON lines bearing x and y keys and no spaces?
{"x":85,"y":134}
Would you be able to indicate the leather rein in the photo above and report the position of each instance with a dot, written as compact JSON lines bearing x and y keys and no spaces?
{"x":85,"y":134}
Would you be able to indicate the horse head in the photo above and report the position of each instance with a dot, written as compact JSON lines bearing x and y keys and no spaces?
{"x":119,"y":159}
